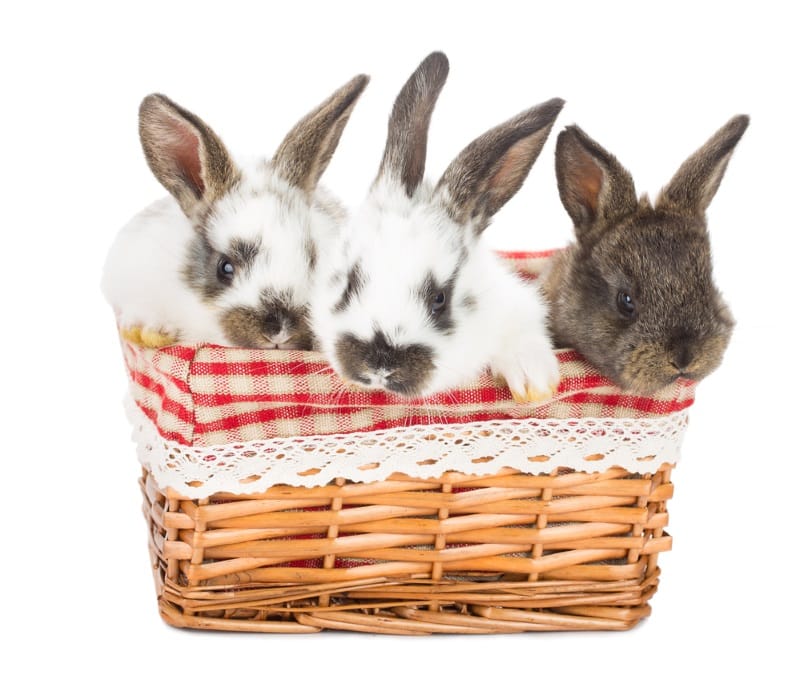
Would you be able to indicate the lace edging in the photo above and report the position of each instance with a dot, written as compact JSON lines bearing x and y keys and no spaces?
{"x":534,"y":446}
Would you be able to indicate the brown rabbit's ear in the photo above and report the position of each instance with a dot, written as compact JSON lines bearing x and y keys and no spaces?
{"x":490,"y":170}
{"x":307,"y":149}
{"x":184,"y":154}
{"x":407,"y":139}
{"x":695,"y":183}
{"x":594,"y":187}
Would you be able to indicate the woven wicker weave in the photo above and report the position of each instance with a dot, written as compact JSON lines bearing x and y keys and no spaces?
{"x":505,"y":553}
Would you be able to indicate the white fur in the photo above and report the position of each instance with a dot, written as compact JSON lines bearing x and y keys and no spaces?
{"x":397,"y":241}
{"x":143,"y":274}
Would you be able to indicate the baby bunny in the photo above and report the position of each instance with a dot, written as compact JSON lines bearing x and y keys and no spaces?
{"x":228,"y":259}
{"x":413,"y":301}
{"x":634,"y":293}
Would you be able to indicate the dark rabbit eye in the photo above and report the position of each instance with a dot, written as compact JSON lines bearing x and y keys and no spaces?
{"x":626,"y":305}
{"x":225,"y":270}
{"x":438,"y":302}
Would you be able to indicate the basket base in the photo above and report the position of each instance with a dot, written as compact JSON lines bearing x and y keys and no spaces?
{"x":423,"y":616}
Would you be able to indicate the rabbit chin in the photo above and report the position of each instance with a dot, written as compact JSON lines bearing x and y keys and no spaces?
{"x":651,"y":367}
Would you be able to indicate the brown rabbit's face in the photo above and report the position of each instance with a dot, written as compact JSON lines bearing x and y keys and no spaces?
{"x":634,"y":294}
{"x":647,"y":320}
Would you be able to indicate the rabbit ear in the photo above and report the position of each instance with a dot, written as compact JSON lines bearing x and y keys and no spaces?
{"x":595,"y":188}
{"x":407,"y":139}
{"x":695,"y":183}
{"x":490,"y":170}
{"x":307,"y":149}
{"x":184,"y":154}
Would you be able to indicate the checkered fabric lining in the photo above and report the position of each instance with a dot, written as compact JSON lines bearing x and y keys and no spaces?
{"x":202,"y":395}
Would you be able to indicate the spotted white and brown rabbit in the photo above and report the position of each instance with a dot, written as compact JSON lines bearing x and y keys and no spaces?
{"x":228,"y":258}
{"x":414,"y":301}
{"x":634,"y":293}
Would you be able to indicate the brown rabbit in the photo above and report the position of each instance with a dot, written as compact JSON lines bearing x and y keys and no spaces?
{"x":634,"y":293}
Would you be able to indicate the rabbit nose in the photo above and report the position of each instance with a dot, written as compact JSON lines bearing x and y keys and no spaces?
{"x":276,"y":325}
{"x":399,"y":368}
{"x":681,"y":358}
{"x":383,"y":375}
{"x":374,"y":377}
{"x":383,"y":359}
{"x":280,"y":337}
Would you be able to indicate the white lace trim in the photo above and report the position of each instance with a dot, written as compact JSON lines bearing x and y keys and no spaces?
{"x":423,"y":451}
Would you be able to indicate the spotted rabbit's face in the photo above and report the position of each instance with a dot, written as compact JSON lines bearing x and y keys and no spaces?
{"x":258,"y":225}
{"x":253,"y":261}
{"x":388,"y":314}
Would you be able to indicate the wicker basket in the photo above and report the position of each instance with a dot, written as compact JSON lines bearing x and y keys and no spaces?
{"x":589,"y":545}
{"x":500,"y":547}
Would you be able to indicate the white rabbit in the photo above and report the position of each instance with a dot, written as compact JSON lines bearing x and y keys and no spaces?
{"x":413,"y":301}
{"x":229,"y":257}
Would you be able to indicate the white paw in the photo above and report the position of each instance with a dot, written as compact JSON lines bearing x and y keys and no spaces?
{"x":529,"y":368}
{"x":146,"y":337}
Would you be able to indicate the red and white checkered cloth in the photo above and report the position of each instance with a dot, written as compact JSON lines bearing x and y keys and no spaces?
{"x":200,"y":395}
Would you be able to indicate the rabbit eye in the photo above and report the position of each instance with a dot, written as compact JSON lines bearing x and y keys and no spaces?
{"x":225,"y":270}
{"x":626,"y":305}
{"x":438,"y":302}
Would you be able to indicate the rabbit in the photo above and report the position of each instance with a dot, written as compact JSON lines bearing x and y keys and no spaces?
{"x":413,"y":301}
{"x":228,"y":258}
{"x":634,"y":292}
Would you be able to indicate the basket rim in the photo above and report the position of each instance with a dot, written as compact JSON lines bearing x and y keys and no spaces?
{"x":532,"y":446}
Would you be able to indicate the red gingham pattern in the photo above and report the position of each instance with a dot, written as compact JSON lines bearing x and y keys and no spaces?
{"x":209,"y":395}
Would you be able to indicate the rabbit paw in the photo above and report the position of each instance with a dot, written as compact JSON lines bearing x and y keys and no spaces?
{"x":530,"y":371}
{"x":144,"y":337}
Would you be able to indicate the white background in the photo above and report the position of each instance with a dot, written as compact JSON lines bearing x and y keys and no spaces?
{"x":649,"y":84}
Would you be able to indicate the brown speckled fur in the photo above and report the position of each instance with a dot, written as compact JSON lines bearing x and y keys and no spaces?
{"x":658,"y":254}
{"x":308,"y":148}
{"x":407,"y":139}
{"x":491,"y":169}
{"x":185,"y":155}
{"x":408,"y":368}
{"x":252,"y":327}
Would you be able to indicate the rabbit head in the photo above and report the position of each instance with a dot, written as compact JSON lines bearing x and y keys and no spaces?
{"x":635,"y":292}
{"x":411,"y":291}
{"x":258,"y":226}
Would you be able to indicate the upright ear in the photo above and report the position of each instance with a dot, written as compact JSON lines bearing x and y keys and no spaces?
{"x":696,"y":182}
{"x":594,"y":187}
{"x":407,"y":139}
{"x":490,"y":170}
{"x":184,"y":154}
{"x":307,"y":149}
